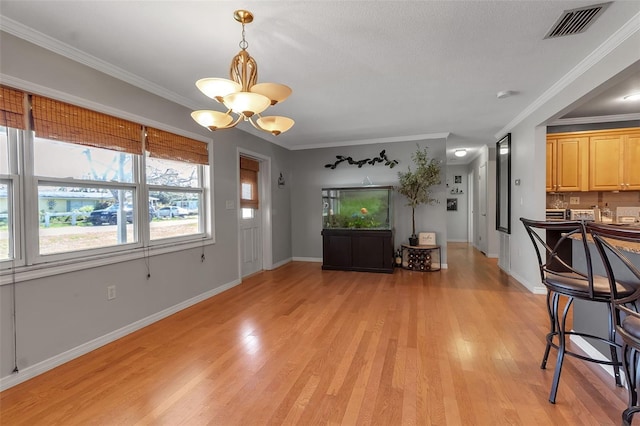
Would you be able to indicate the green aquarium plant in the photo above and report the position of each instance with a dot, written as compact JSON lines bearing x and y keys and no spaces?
{"x":416,"y":184}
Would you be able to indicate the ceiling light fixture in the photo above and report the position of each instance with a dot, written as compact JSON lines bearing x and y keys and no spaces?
{"x":632,"y":97}
{"x":241,"y":95}
{"x":460,"y":152}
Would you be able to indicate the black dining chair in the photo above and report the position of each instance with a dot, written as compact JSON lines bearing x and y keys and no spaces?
{"x":615,"y":243}
{"x":553,"y":243}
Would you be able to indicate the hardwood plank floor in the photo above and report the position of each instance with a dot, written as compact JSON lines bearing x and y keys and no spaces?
{"x":302,"y":346}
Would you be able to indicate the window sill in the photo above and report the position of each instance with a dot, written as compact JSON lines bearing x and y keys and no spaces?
{"x":25,"y":273}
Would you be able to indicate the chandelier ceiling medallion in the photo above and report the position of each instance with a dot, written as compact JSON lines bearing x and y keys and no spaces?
{"x":242,"y":95}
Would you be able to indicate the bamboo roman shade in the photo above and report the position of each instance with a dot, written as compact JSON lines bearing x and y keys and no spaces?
{"x":68,"y":123}
{"x":166,"y":145}
{"x":249,"y":183}
{"x":12,"y":108}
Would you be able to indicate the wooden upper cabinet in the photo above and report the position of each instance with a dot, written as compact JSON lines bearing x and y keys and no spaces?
{"x":567,"y":163}
{"x":614,"y":160}
{"x":595,"y":160}
{"x":632,"y":161}
{"x":605,"y":162}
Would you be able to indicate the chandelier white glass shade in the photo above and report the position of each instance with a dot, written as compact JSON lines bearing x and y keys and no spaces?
{"x":242,"y":95}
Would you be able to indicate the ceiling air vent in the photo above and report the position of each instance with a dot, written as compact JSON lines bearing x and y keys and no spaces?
{"x":575,"y":21}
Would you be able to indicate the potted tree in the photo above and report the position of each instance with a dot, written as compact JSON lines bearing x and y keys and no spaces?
{"x":416,"y":185}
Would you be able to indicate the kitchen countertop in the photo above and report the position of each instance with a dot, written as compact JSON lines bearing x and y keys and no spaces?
{"x":622,"y":245}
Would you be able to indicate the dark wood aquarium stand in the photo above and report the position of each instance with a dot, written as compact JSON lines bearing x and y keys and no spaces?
{"x":366,"y":250}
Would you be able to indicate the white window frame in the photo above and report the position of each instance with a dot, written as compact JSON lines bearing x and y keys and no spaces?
{"x":201,"y":191}
{"x":14,"y":208}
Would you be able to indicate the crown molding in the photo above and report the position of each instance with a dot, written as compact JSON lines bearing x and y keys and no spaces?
{"x":596,"y":119}
{"x":39,"y":39}
{"x":392,"y":139}
{"x":616,"y":39}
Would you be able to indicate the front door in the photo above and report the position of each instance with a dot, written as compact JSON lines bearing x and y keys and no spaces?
{"x":250,"y":217}
{"x":250,"y":241}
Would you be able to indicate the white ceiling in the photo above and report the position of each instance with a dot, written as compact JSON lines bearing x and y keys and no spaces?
{"x":361,"y":71}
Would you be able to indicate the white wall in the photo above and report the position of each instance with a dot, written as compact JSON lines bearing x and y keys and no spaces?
{"x":528,"y":141}
{"x":457,"y":221}
{"x":62,"y":316}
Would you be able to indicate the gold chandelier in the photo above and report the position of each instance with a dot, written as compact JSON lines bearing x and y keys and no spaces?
{"x":241,"y":95}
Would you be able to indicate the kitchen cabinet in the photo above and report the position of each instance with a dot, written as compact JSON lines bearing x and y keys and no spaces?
{"x":614,"y":156}
{"x":567,"y":162}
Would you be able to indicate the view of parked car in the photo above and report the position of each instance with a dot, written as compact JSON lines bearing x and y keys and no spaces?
{"x":172,"y":211}
{"x":109,"y":215}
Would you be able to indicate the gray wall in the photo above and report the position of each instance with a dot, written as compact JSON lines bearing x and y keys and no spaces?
{"x":311,"y":176}
{"x":58,"y":314}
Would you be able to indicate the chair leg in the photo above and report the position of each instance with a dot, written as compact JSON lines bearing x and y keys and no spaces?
{"x":630,"y":364}
{"x":552,"y":309}
{"x":614,"y":349}
{"x":562,"y":346}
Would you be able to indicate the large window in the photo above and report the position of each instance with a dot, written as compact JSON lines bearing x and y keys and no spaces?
{"x":84,"y":193}
{"x":174,"y":175}
{"x":79,"y":184}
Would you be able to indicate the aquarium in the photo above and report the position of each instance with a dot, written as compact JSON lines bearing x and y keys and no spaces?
{"x":367,"y":207}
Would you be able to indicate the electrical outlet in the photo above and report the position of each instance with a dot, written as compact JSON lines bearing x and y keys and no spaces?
{"x":574,"y":200}
{"x":111,"y":292}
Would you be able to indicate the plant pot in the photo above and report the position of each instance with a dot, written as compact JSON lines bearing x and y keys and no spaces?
{"x":413,"y":241}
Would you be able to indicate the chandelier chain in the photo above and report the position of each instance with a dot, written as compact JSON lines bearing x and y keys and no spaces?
{"x":243,"y":44}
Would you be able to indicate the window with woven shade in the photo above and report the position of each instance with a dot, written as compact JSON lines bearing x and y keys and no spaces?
{"x":12,"y":122}
{"x":249,"y":169}
{"x":96,"y":193}
{"x":174,"y":174}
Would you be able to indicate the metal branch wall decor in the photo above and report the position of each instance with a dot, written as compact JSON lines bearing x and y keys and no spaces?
{"x":382,"y":158}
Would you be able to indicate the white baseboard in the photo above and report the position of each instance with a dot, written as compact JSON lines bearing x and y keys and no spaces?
{"x":49,"y":364}
{"x":307,"y":259}
{"x":585,"y":346}
{"x":493,"y":255}
{"x":281,"y":263}
{"x":535,"y":289}
{"x":444,"y":266}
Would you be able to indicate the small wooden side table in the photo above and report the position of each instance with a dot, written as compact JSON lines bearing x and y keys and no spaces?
{"x":421,"y":258}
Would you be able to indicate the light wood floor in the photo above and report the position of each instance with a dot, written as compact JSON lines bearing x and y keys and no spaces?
{"x":302,"y":346}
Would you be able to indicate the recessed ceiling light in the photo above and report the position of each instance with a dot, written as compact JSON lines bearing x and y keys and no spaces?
{"x":632,"y":97}
{"x":460,"y":152}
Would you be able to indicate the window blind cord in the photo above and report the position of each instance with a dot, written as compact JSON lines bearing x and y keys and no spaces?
{"x":202,"y":258}
{"x":147,"y":261}
{"x":15,"y":322}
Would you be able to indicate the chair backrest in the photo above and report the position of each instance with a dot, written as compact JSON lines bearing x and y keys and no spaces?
{"x":554,"y":248}
{"x":615,"y":243}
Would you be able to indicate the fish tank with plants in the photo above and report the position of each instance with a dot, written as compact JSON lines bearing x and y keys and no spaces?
{"x":366,"y":207}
